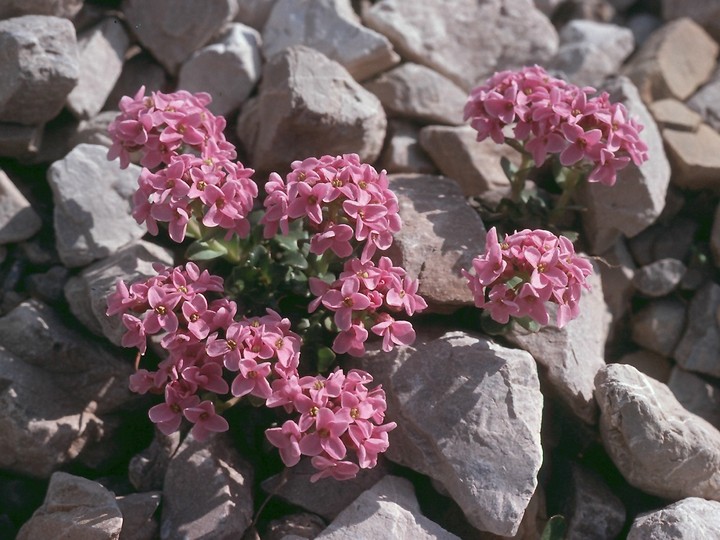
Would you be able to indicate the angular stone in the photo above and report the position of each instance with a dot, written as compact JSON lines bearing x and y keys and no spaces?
{"x":470,"y":421}
{"x":696,"y":395}
{"x":40,"y":67}
{"x":415,"y":92}
{"x":692,"y":518}
{"x":695,"y":157}
{"x":706,"y":101}
{"x":18,"y":220}
{"x":207,"y":491}
{"x":638,"y":197}
{"x":18,"y":141}
{"x":388,"y":510}
{"x":617,"y":277}
{"x":571,"y":356}
{"x":102,"y":50}
{"x":594,"y":511}
{"x":659,"y":325}
{"x":138,"y":512}
{"x":92,"y":199}
{"x":673,"y":114}
{"x":140,"y":69}
{"x":703,"y":12}
{"x":291,"y":120}
{"x":441,"y":234}
{"x":673,"y":62}
{"x":57,"y":8}
{"x":513,"y":33}
{"x":94,"y":130}
{"x":91,"y":371}
{"x":332,"y":28}
{"x":699,"y":348}
{"x":659,"y":278}
{"x":402,"y":152}
{"x":590,"y":51}
{"x":326,"y":498}
{"x":77,"y":508}
{"x":649,"y":363}
{"x":87,"y":292}
{"x":656,"y":444}
{"x":664,"y":240}
{"x":48,"y":286}
{"x":172,"y":30}
{"x":474,"y":165}
{"x":228,"y":69}
{"x":254,"y":13}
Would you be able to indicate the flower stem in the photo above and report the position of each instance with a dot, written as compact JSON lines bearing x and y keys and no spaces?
{"x":572,"y":180}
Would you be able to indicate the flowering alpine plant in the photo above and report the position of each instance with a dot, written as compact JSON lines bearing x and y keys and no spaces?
{"x":217,"y":346}
{"x":540,"y":116}
{"x":528,"y":270}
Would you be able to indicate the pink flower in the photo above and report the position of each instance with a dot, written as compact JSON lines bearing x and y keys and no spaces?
{"x":345,"y":301}
{"x":339,"y":470}
{"x":205,"y":420}
{"x":252,"y":379}
{"x":287,"y":440}
{"x":393,"y":332}
{"x":329,"y":427}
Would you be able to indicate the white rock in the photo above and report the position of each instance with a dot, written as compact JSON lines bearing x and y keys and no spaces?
{"x":18,"y":220}
{"x":254,"y":13}
{"x":692,"y":518}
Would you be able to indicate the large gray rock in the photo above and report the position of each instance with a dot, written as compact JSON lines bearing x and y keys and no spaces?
{"x":147,"y":469}
{"x":140,"y":521}
{"x":18,"y":221}
{"x":673,"y":114}
{"x":638,"y":197}
{"x":512,"y":33}
{"x":468,"y":414}
{"x":207,"y":491}
{"x":593,"y":511}
{"x":102,"y":51}
{"x":699,"y":348}
{"x":696,"y":394}
{"x":58,"y":8}
{"x":39,"y":64}
{"x":571,"y":356}
{"x":173,"y":29}
{"x":228,"y":69}
{"x":657,"y":445}
{"x":692,"y":518}
{"x":388,"y":510}
{"x":92,"y":199}
{"x":87,"y":292}
{"x":415,"y":92}
{"x":331,"y":27}
{"x":706,"y":101}
{"x":441,"y":234}
{"x":659,"y":278}
{"x":77,"y":508}
{"x":309,"y":105}
{"x":659,"y":325}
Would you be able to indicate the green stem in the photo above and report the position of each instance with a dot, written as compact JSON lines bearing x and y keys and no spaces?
{"x":223,"y":406}
{"x":572,"y":180}
{"x":517,"y":184}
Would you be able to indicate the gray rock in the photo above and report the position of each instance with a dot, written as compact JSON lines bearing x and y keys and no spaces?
{"x":101,"y":50}
{"x":643,"y":25}
{"x":706,"y":101}
{"x":147,"y":469}
{"x":594,"y":512}
{"x":140,"y":69}
{"x":402,"y":152}
{"x":331,"y":27}
{"x":694,"y":157}
{"x":18,"y":141}
{"x":87,"y":292}
{"x":388,"y":510}
{"x":703,"y":12}
{"x":415,"y":92}
{"x":474,"y":165}
{"x":590,"y":51}
{"x":92,"y":372}
{"x":77,"y":508}
{"x":18,"y":220}
{"x":674,"y":114}
{"x":696,"y":395}
{"x":656,"y":444}
{"x":328,"y":497}
{"x":40,"y":67}
{"x":450,"y":41}
{"x":638,"y":197}
{"x":699,"y":348}
{"x":471,"y":422}
{"x":228,"y":69}
{"x":649,"y":363}
{"x":441,"y":234}
{"x":92,"y":199}
{"x":58,"y":8}
{"x":48,"y":286}
{"x":659,"y":278}
{"x":292,"y":120}
{"x":571,"y":356}
{"x":659,"y":325}
{"x":94,"y":130}
{"x":692,"y":518}
{"x":664,"y":240}
{"x":207,"y":491}
{"x":172,"y":30}
{"x":254,"y":13}
{"x":617,"y":273}
{"x":138,"y":512}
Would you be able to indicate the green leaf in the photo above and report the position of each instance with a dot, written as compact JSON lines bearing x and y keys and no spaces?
{"x":205,"y":251}
{"x":554,"y":529}
{"x":325,"y":358}
{"x":508,"y":168}
{"x":527,"y":323}
{"x":490,"y":326}
{"x":294,"y":258}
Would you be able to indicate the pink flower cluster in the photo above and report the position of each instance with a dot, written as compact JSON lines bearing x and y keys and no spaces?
{"x":337,"y":414}
{"x":161,"y":126}
{"x":357,"y":297}
{"x":208,"y":351}
{"x":518,"y":277}
{"x":551,"y":116}
{"x":341,"y":198}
